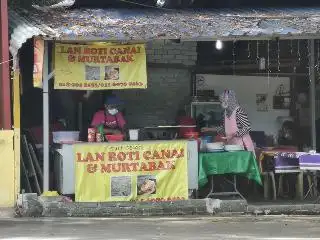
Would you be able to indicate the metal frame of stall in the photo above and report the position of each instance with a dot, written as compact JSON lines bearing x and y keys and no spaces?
{"x":232,"y":182}
{"x":47,"y":76}
{"x":45,"y":92}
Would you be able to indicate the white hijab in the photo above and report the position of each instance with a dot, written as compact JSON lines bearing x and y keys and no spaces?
{"x":229,"y":101}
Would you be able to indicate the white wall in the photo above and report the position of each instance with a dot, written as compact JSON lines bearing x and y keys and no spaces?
{"x":246,"y":88}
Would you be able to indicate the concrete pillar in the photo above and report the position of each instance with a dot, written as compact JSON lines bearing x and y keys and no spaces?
{"x":5,"y":92}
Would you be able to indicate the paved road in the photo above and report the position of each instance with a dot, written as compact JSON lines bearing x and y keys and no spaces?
{"x":269,"y":227}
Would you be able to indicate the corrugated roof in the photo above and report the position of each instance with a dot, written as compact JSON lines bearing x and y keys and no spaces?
{"x":149,"y":24}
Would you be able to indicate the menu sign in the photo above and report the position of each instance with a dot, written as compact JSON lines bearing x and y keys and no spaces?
{"x":131,"y":172}
{"x":98,"y":67}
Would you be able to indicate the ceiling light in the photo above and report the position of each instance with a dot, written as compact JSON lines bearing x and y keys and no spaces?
{"x":219,"y":44}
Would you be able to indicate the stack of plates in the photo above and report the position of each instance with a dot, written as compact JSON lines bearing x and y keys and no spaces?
{"x":233,"y":148}
{"x":215,"y":147}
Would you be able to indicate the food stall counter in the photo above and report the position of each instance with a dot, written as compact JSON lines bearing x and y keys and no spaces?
{"x":64,"y":161}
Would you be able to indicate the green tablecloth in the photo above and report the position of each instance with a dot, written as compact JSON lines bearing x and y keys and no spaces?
{"x":242,"y":163}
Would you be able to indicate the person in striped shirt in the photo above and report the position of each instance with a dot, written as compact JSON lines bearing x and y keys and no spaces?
{"x":236,"y":125}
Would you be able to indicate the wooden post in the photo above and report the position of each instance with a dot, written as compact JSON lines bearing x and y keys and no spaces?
{"x":299,"y":186}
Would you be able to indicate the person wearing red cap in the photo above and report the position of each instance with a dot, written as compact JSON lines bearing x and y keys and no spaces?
{"x":112,"y":119}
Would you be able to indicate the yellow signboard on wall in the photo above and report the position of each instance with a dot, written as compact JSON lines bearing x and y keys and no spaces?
{"x":97,"y":67}
{"x":131,"y":172}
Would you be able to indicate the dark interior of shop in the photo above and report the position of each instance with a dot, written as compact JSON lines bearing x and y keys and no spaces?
{"x":282,"y":59}
{"x":286,"y":58}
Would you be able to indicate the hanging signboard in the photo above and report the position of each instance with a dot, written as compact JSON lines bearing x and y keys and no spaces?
{"x":131,"y":172}
{"x":38,"y":62}
{"x":98,"y":67}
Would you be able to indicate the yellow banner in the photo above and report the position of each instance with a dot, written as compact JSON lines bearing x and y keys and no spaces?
{"x":97,"y":67}
{"x":131,"y":172}
{"x":38,"y":62}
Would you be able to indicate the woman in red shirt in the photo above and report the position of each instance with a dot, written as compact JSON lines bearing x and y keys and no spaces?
{"x":112,"y":120}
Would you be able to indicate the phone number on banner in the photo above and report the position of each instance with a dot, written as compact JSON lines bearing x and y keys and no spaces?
{"x":100,"y":85}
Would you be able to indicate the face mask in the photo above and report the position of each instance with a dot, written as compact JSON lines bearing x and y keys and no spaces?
{"x":113,"y":111}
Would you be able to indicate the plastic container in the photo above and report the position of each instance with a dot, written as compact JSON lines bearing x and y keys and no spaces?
{"x":91,"y":134}
{"x":204,"y":141}
{"x":217,"y":146}
{"x":232,"y":148}
{"x":208,"y":139}
{"x":65,"y":136}
{"x":115,"y":138}
{"x":99,"y":137}
{"x":134,"y":134}
{"x":203,"y":144}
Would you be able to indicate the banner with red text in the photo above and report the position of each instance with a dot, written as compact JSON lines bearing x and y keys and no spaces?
{"x":109,"y":172}
{"x":38,"y":54}
{"x":100,"y":66}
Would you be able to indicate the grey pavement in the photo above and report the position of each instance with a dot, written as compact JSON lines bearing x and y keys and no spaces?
{"x":261,"y":227}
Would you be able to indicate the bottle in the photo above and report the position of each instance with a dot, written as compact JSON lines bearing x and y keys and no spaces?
{"x":100,"y":133}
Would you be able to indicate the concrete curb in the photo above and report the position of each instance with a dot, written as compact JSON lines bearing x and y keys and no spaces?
{"x":30,"y":205}
{"x":189,"y":207}
{"x":292,"y":209}
{"x":7,"y":212}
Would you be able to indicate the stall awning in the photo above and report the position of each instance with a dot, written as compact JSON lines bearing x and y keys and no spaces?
{"x":150,"y":24}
